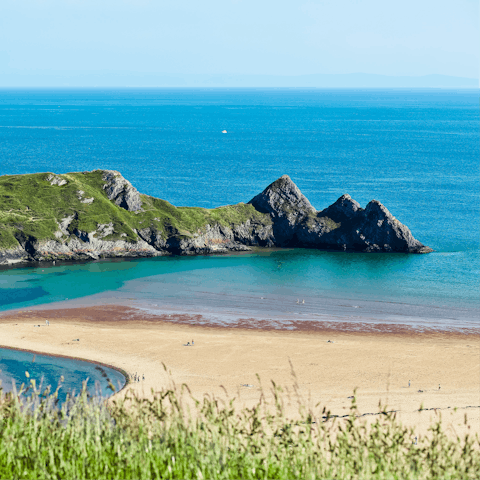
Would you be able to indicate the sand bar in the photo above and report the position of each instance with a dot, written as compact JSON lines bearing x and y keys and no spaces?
{"x":329,"y":363}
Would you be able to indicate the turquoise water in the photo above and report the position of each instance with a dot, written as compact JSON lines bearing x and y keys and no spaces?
{"x":415,"y":151}
{"x":48,"y":370}
{"x":386,"y":284}
{"x":395,"y":277}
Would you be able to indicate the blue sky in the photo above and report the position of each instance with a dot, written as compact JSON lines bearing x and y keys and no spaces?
{"x":276,"y":37}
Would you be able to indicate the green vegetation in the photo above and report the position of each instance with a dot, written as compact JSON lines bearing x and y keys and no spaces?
{"x":164,"y":438}
{"x":32,"y":208}
{"x":314,"y":221}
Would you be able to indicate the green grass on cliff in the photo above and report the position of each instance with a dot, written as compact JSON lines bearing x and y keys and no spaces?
{"x":163,"y":438}
{"x":191,"y":220}
{"x":30,"y":207}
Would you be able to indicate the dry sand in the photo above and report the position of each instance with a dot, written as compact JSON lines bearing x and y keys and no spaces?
{"x":378,"y":364}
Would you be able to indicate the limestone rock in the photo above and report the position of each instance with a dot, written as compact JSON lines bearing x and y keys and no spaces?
{"x":344,"y":209}
{"x":15,"y":255}
{"x":80,"y":194}
{"x":56,"y":180}
{"x":153,"y":237}
{"x":313,"y":231}
{"x":287,"y":206}
{"x":104,"y":230}
{"x":380,"y":231}
{"x":212,"y":239}
{"x":283,"y":199}
{"x":254,"y":234}
{"x":121,"y":191}
{"x":64,"y":224}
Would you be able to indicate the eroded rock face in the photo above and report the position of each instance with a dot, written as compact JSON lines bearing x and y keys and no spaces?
{"x":63,"y":226}
{"x":287,"y":206}
{"x":212,"y":239}
{"x":283,"y":199}
{"x":254,"y":234}
{"x":312,"y":232}
{"x":153,"y":237}
{"x":121,"y":191}
{"x":382,"y":232}
{"x":343,"y":210}
{"x":104,"y":230}
{"x":15,"y":255}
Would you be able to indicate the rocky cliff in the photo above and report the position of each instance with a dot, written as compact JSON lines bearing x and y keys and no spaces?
{"x":99,"y":214}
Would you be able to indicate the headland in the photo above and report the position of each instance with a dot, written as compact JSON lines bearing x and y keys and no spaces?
{"x":80,"y":216}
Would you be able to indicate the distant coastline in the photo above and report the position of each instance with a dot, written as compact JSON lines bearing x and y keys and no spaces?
{"x":173,"y":80}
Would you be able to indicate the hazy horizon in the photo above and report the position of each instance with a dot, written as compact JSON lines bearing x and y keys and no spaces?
{"x":222,"y":42}
{"x":152,"y":80}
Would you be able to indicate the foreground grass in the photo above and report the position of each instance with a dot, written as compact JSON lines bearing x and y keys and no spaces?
{"x":163,"y":438}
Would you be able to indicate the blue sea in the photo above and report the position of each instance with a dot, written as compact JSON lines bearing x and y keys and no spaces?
{"x":416,"y":151}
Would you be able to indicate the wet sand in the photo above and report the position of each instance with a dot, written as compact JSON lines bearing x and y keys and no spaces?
{"x":329,"y":360}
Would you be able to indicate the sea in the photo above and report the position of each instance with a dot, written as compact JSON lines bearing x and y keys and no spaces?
{"x":416,"y":151}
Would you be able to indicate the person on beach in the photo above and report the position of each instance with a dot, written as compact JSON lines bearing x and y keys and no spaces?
{"x":192,"y":343}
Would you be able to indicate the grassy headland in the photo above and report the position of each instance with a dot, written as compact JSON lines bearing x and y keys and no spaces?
{"x":30,"y":204}
{"x":40,"y":208}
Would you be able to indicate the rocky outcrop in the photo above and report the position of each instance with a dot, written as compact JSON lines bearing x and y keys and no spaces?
{"x":287,"y":206}
{"x":121,"y":192}
{"x":344,"y":225}
{"x":279,"y":216}
{"x":12,"y":256}
{"x":345,"y":209}
{"x":379,"y":231}
{"x":254,"y":233}
{"x":84,"y":247}
{"x":82,"y":199}
{"x":212,"y":239}
{"x":56,"y":180}
{"x":283,"y":199}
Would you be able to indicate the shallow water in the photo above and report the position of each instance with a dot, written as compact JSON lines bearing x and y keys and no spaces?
{"x":354,"y":287}
{"x":48,"y":370}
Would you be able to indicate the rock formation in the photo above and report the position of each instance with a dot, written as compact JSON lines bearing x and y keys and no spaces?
{"x":121,"y":192}
{"x":90,"y":215}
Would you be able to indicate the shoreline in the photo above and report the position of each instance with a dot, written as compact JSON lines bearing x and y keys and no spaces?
{"x":323,"y":365}
{"x":217,"y":319}
{"x":262,"y":290}
{"x":68,"y":357}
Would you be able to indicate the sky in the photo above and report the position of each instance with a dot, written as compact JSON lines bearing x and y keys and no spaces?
{"x":254,"y":37}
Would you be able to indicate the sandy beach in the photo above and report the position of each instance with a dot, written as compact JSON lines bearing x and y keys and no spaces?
{"x":443,"y":368}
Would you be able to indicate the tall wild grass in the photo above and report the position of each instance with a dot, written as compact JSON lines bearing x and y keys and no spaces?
{"x":176,"y":436}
